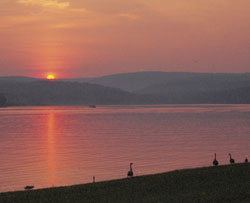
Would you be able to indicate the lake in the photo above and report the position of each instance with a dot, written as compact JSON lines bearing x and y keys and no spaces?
{"x":66,"y":145}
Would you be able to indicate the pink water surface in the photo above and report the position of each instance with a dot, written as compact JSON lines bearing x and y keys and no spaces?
{"x":57,"y":146}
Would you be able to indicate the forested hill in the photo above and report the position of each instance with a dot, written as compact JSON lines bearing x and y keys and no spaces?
{"x":189,"y":91}
{"x":63,"y":93}
{"x":164,"y":82}
{"x":15,"y":79}
{"x":3,"y":100}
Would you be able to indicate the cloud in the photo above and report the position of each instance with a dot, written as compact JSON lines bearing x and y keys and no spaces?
{"x":129,"y":16}
{"x":109,"y":7}
{"x":46,"y":3}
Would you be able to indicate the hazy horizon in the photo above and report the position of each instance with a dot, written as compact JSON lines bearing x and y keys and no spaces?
{"x":73,"y":38}
{"x":121,"y":73}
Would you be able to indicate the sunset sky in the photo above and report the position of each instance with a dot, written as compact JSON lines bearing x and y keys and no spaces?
{"x":87,"y":38}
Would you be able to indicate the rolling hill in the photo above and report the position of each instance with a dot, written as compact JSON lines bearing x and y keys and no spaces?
{"x":163,"y":82}
{"x":170,"y":88}
{"x":63,"y":93}
{"x":14,"y":79}
{"x":196,"y":84}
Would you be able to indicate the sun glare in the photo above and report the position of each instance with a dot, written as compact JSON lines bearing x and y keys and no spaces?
{"x":50,"y":77}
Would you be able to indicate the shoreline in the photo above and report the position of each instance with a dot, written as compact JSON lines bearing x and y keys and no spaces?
{"x":207,"y":184}
{"x":146,"y":104}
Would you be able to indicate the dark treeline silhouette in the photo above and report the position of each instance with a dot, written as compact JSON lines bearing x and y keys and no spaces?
{"x":172,"y":88}
{"x":15,"y":79}
{"x":196,"y":84}
{"x":3,"y":100}
{"x":167,"y":82}
{"x":64,"y":93}
{"x":73,"y":93}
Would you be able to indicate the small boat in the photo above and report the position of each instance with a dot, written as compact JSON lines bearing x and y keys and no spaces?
{"x":29,"y":187}
{"x":92,"y":106}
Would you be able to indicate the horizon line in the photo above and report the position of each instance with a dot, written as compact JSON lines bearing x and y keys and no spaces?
{"x":123,"y":73}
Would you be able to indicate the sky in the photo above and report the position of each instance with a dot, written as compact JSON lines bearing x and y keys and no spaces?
{"x":90,"y":38}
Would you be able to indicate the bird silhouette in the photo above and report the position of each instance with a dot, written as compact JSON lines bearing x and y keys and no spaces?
{"x":246,"y":160}
{"x":29,"y":187}
{"x":215,"y":162}
{"x":130,"y":172}
{"x":231,"y":160}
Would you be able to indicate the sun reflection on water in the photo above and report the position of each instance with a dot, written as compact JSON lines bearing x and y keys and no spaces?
{"x":51,"y":150}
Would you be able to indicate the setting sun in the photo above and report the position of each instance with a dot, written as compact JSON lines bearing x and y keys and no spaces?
{"x":50,"y":77}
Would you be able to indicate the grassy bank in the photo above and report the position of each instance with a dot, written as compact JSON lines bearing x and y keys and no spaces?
{"x":229,"y":183}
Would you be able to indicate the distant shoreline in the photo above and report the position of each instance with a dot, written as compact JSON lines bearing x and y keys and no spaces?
{"x":120,"y":104}
{"x":130,"y":88}
{"x":101,"y":105}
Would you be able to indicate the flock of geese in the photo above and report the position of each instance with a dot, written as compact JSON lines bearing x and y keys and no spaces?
{"x":215,"y":163}
{"x":131,"y":173}
{"x":231,"y":160}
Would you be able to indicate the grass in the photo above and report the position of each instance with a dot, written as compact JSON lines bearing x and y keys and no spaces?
{"x":230,"y":183}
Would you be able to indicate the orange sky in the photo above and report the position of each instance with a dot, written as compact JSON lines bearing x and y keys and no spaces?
{"x":74,"y":38}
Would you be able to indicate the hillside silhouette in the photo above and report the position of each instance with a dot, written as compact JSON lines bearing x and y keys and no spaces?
{"x":3,"y":100}
{"x":171,"y":88}
{"x":163,"y":82}
{"x":62,"y":93}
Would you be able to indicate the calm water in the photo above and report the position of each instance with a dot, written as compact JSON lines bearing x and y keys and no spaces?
{"x":55,"y":146}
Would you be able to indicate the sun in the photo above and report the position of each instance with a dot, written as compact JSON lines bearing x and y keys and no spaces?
{"x":50,"y":77}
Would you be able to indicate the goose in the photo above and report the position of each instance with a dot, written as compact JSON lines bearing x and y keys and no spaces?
{"x":215,"y":162}
{"x":130,"y":172}
{"x":29,"y":187}
{"x":231,"y":160}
